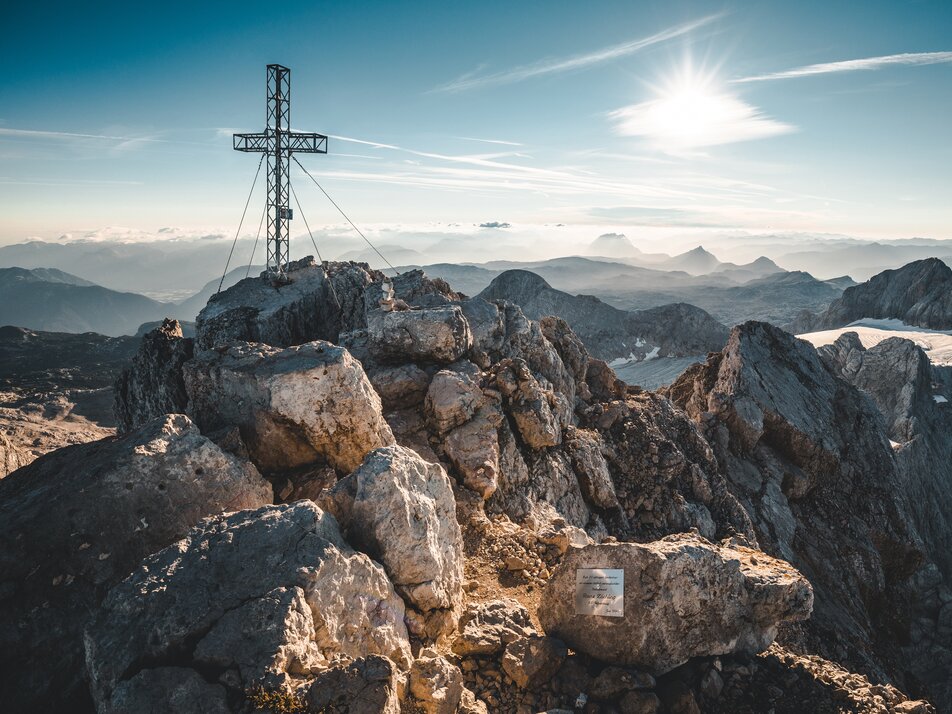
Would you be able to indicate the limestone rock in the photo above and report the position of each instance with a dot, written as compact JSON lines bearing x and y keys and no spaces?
{"x":293,"y":406}
{"x":531,"y":406}
{"x":486,"y":628}
{"x":473,"y":448}
{"x":433,"y":334}
{"x":76,"y":521}
{"x":369,"y":685}
{"x":200,"y":600}
{"x":152,"y":385}
{"x":318,"y":303}
{"x":531,"y":661}
{"x":683,"y":597}
{"x":584,"y":448}
{"x":436,"y":684}
{"x":399,"y":386}
{"x":451,"y":400}
{"x":401,"y":510}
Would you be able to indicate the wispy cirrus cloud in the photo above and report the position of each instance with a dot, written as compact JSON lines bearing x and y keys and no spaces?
{"x":491,"y":141}
{"x":476,"y":79}
{"x":119,"y":142}
{"x":909,"y":59}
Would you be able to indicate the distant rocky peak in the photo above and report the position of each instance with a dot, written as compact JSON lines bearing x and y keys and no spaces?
{"x":515,"y":285}
{"x":919,"y":293}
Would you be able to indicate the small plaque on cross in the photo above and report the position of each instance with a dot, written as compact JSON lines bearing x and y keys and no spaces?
{"x":600,"y":591}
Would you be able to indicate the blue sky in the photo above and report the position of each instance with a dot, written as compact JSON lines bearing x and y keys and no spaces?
{"x":807,"y":116}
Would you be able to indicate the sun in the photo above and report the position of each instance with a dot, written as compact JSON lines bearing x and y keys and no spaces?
{"x":692,"y":110}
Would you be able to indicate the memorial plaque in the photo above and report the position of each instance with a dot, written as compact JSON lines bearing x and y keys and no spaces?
{"x":600,"y":591}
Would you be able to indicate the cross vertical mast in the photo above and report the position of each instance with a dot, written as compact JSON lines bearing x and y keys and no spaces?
{"x":278,"y":142}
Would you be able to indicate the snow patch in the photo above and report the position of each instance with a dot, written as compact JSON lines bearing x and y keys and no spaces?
{"x":937,"y":344}
{"x":939,"y":399}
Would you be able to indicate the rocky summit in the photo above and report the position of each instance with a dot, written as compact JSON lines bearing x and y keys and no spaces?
{"x":365,"y":493}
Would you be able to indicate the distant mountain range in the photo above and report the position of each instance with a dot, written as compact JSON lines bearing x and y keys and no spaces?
{"x":676,"y":330}
{"x":171,"y":265}
{"x":732,"y":294}
{"x":53,"y":301}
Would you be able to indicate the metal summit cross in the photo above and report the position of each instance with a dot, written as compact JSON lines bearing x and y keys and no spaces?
{"x":278,"y":142}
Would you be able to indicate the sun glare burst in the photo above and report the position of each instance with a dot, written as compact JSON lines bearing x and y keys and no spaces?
{"x":694,"y":111}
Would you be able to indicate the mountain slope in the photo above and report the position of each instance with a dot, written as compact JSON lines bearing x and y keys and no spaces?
{"x":676,"y":330}
{"x":54,"y":302}
{"x":919,"y":293}
{"x":695,"y":262}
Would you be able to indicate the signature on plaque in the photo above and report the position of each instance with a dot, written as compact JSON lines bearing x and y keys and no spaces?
{"x":600,"y":591}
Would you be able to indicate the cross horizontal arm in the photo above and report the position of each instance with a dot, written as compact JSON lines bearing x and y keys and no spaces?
{"x":305,"y":142}
{"x":251,"y":142}
{"x":297,"y":141}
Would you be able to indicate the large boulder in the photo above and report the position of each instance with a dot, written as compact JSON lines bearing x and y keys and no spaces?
{"x":683,"y":597}
{"x":401,"y":510}
{"x":152,"y":385}
{"x":295,"y":407}
{"x":264,"y":598}
{"x":77,"y":521}
{"x":434,"y":334}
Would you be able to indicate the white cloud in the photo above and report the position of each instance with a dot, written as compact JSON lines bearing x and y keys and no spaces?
{"x":692,"y":118}
{"x":856,"y":65}
{"x":473,"y":80}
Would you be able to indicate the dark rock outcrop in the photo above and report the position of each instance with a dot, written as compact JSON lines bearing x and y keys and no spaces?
{"x":152,"y":385}
{"x":919,"y":293}
{"x":75,"y":522}
{"x":897,"y":375}
{"x":808,"y":456}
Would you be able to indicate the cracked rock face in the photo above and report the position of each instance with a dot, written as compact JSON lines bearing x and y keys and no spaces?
{"x":76,"y":521}
{"x":304,"y":310}
{"x":807,"y":454}
{"x":683,"y":597}
{"x":401,"y":510}
{"x":152,"y":385}
{"x":255,"y":597}
{"x":295,"y":407}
